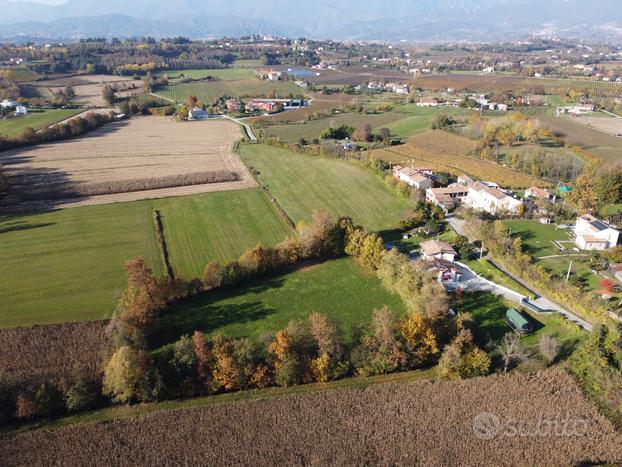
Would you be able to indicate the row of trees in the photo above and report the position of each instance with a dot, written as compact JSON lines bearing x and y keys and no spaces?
{"x":74,"y":127}
{"x":311,"y":350}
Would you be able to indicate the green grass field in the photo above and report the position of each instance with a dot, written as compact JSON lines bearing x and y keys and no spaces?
{"x":209,"y":92}
{"x":312,"y":129}
{"x":338,"y":288}
{"x":12,"y":127}
{"x":226,"y":74}
{"x":488,"y":313}
{"x":303,"y":184}
{"x":219,"y":226}
{"x":67,"y":265}
{"x":19,"y":73}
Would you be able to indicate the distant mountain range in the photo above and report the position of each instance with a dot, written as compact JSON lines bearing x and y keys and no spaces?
{"x":423,"y":20}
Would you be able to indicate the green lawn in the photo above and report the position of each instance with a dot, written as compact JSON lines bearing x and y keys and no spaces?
{"x":12,"y":127}
{"x":210,"y":91}
{"x":226,"y":74}
{"x":488,"y":314}
{"x":219,"y":226}
{"x":537,"y":238}
{"x":488,"y":271}
{"x":67,"y":265}
{"x":338,"y":288}
{"x":303,"y":184}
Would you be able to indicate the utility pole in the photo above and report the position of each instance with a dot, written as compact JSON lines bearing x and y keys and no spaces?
{"x":481,"y":251}
{"x":568,"y":274}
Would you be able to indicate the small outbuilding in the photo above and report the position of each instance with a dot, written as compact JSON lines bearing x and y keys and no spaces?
{"x":517,"y":321}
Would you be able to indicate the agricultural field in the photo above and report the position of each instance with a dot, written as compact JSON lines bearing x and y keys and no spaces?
{"x":310,"y":130}
{"x":602,"y":145}
{"x":303,"y":184}
{"x":446,"y":152}
{"x":129,"y":160}
{"x":485,"y":82}
{"x":379,"y":423}
{"x":87,"y":88}
{"x":40,"y":353}
{"x":339,"y":288}
{"x":210,"y":91}
{"x":226,"y":74}
{"x":12,"y":127}
{"x":538,"y":240}
{"x":220,"y":227}
{"x":605,"y":124}
{"x":67,"y":265}
{"x":403,"y":120}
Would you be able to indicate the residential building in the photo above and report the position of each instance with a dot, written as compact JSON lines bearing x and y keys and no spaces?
{"x":593,"y":234}
{"x":616,"y":270}
{"x":465,"y":180}
{"x":540,"y":193}
{"x":448,"y":273}
{"x":428,"y":102}
{"x":7,"y":103}
{"x":416,"y":178}
{"x":447,"y":198}
{"x":21,"y":110}
{"x":234,"y":105}
{"x":482,"y":197}
{"x":434,"y":249}
{"x":198,"y":114}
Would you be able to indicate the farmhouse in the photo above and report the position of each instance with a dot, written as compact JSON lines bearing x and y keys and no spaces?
{"x":6,"y":103}
{"x":491,"y":200}
{"x":233,"y":105}
{"x":198,"y":114}
{"x":579,"y":109}
{"x":447,"y":198}
{"x":428,"y":102}
{"x":417,"y":178}
{"x":434,"y":249}
{"x":540,"y":193}
{"x":593,"y":234}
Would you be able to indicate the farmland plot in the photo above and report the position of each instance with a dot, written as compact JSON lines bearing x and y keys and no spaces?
{"x":210,"y":91}
{"x":145,"y":157}
{"x":471,"y":422}
{"x":303,"y":184}
{"x":447,"y":152}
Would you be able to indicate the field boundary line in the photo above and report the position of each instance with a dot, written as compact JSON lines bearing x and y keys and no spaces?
{"x":159,"y":228}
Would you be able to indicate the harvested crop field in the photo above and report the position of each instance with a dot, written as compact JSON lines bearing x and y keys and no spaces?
{"x":40,"y":353}
{"x":130,"y":160}
{"x":447,"y":152}
{"x":609,"y":125}
{"x":420,"y":423}
{"x":574,"y":133}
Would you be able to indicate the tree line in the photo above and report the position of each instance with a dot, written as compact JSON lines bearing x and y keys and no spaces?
{"x":304,"y":351}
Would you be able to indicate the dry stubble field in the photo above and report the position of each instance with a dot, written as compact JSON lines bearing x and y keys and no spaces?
{"x":136,"y":149}
{"x":420,"y":423}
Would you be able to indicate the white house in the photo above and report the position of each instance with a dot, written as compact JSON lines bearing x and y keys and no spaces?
{"x":198,"y":114}
{"x":21,"y":110}
{"x":593,"y":234}
{"x":434,"y":249}
{"x":428,"y":102}
{"x":491,"y":200}
{"x":416,"y":178}
{"x":6,"y":103}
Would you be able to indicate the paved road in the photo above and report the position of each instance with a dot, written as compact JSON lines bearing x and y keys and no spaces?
{"x":478,"y":283}
{"x":249,"y":130}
